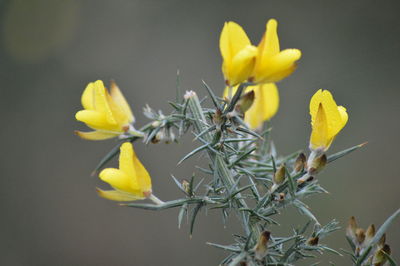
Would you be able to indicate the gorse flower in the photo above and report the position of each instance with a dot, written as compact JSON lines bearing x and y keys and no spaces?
{"x":327,"y":119}
{"x":108,"y":113}
{"x":130,"y":182}
{"x":237,"y":52}
{"x":265,"y":105}
{"x":272,"y":64}
{"x":263,"y":64}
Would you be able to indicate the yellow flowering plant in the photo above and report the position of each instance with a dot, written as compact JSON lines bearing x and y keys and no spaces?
{"x":245,"y":177}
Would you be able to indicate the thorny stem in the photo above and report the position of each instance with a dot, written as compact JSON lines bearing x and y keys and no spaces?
{"x":222,"y":169}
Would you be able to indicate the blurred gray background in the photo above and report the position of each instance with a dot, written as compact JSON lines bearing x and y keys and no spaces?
{"x":50,"y":50}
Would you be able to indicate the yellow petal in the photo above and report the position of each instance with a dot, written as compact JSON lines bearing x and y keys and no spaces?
{"x":272,"y":65}
{"x":126,"y":159}
{"x":242,"y":65}
{"x":130,"y":164}
{"x":117,"y":195}
{"x":143,"y":177}
{"x":333,"y":115}
{"x":237,"y":52}
{"x":277,"y":67}
{"x":101,"y":102}
{"x":120,"y":100}
{"x":233,"y":39}
{"x":92,"y":118}
{"x":343,"y":115}
{"x":120,"y":180}
{"x":95,"y":135}
{"x":269,"y":44}
{"x":265,"y":106}
{"x":87,"y":98}
{"x":319,"y":135}
{"x":118,"y":113}
{"x":116,"y":178}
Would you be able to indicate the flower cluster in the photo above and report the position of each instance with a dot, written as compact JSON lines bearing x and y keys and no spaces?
{"x":362,"y":241}
{"x":265,"y":63}
{"x":108,"y":113}
{"x":246,"y":176}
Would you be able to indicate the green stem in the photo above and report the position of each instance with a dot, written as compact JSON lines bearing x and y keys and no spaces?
{"x":156,"y":200}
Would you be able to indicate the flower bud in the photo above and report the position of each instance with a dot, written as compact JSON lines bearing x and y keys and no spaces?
{"x":351,"y":229}
{"x":186,"y":186}
{"x":159,"y":136}
{"x":313,"y":241}
{"x":217,"y":119}
{"x":156,"y":123}
{"x":279,"y":175}
{"x":281,"y":196}
{"x":360,"y":235}
{"x":317,"y":164}
{"x":379,"y":258}
{"x":369,"y":234}
{"x":300,"y":163}
{"x":245,"y":102}
{"x":261,"y":248}
{"x":382,"y":241}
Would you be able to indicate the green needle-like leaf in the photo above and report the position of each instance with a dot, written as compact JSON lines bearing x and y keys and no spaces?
{"x":193,"y":152}
{"x":178,"y":184}
{"x":212,"y":95}
{"x":292,"y":185}
{"x":340,"y":154}
{"x":193,"y":217}
{"x":224,"y":247}
{"x":181,"y":214}
{"x":304,"y":210}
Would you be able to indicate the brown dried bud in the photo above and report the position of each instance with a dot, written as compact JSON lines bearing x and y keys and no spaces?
{"x":279,"y":175}
{"x":313,"y":241}
{"x":217,"y":117}
{"x":281,"y":196}
{"x":300,"y":163}
{"x":360,"y":235}
{"x":155,"y":140}
{"x":261,"y":248}
{"x":351,"y":229}
{"x":245,"y":102}
{"x":382,"y":241}
{"x":369,"y":234}
{"x":317,"y":164}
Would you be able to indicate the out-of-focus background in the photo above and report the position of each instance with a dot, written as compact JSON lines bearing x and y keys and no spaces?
{"x":50,"y":50}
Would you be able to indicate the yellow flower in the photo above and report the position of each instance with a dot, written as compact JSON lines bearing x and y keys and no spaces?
{"x":237,"y":53}
{"x":327,"y":119}
{"x":272,"y":64}
{"x":265,"y":105}
{"x":107,"y":113}
{"x":130,"y":182}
